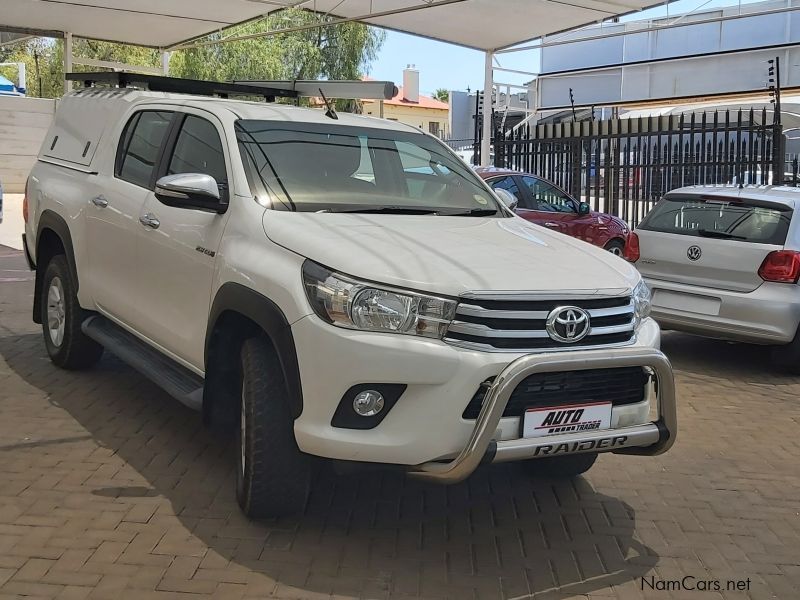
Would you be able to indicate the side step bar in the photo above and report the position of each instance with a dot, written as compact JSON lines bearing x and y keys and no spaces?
{"x":175,"y":379}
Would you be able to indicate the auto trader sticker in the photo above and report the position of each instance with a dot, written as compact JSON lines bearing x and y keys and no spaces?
{"x":572,"y":418}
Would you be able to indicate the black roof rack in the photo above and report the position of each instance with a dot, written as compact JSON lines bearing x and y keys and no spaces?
{"x":181,"y":86}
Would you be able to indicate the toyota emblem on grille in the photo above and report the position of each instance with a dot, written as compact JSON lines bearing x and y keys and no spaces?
{"x":694,"y":252}
{"x":567,"y":324}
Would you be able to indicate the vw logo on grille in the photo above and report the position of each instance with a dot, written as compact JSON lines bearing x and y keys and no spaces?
{"x":567,"y":324}
{"x":694,"y":252}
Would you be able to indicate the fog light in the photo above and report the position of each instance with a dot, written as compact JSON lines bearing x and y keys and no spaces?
{"x":368,"y":403}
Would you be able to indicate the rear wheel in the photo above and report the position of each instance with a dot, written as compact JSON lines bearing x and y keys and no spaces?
{"x":62,"y":316}
{"x":616,"y":247}
{"x":561,"y":467}
{"x":273,"y":476}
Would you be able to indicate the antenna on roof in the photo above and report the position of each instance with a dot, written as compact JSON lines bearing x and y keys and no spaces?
{"x":330,"y":112}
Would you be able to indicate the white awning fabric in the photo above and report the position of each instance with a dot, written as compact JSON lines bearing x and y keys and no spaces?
{"x":479,"y":24}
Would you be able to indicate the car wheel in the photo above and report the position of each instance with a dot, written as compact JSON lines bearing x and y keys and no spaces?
{"x":616,"y":247}
{"x":561,"y":467}
{"x":272,"y":476}
{"x":67,"y":346}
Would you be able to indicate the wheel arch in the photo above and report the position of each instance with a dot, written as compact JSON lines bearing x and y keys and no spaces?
{"x":52,"y":237}
{"x":237,"y":313}
{"x":615,"y":238}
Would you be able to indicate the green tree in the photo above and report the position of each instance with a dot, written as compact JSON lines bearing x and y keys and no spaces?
{"x":43,"y":70}
{"x":442,"y":94}
{"x":332,"y":51}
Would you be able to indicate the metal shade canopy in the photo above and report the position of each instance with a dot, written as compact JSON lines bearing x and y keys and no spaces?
{"x":479,"y":24}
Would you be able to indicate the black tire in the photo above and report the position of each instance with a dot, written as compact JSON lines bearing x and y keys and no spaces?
{"x":616,"y":247}
{"x":787,"y":357}
{"x":66,"y":344}
{"x":562,"y":467}
{"x":272,"y":475}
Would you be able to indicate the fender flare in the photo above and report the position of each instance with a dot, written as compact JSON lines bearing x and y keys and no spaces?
{"x":56,"y":223}
{"x":269,"y":317}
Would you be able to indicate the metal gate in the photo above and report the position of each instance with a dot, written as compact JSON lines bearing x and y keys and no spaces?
{"x":623,"y":166}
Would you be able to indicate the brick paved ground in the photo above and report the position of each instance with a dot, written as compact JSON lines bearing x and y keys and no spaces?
{"x":109,"y":489}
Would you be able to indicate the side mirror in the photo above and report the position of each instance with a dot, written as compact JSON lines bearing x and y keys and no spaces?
{"x":191,"y":190}
{"x":584,"y":208}
{"x":507,"y":198}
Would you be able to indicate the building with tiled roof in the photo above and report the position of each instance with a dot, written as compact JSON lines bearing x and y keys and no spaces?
{"x":412,"y":108}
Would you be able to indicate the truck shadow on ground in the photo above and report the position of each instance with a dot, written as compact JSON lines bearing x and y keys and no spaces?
{"x":374,"y":534}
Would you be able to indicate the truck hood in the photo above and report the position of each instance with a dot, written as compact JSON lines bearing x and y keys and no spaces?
{"x":450,"y":255}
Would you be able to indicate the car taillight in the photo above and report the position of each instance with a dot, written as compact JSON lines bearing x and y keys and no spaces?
{"x":25,"y":203}
{"x":631,"y":251}
{"x":781,"y":266}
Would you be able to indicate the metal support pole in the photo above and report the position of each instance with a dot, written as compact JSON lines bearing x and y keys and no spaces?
{"x":779,"y":140}
{"x":486,"y":135}
{"x":67,"y":61}
{"x":165,"y":63}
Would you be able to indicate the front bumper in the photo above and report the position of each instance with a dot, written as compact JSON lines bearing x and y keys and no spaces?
{"x":426,"y":424}
{"x":648,"y":438}
{"x":770,"y":314}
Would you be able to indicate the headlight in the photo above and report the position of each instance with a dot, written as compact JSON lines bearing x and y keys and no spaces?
{"x":641,"y":302}
{"x":347,"y":302}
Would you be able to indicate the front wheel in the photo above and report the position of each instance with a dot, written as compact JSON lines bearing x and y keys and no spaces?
{"x":273,"y":476}
{"x":67,"y":346}
{"x":561,"y":467}
{"x":616,"y":247}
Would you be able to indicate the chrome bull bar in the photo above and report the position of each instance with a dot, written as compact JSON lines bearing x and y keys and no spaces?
{"x":646,"y":439}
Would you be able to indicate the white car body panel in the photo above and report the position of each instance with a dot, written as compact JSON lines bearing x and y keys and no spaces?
{"x":450,"y":255}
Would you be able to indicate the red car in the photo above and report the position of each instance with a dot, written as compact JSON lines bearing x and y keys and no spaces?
{"x":546,"y":204}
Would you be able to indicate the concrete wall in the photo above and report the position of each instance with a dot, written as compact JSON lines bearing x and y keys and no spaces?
{"x":23,"y":125}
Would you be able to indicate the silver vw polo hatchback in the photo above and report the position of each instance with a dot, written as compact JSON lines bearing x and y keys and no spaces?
{"x":724,"y":262}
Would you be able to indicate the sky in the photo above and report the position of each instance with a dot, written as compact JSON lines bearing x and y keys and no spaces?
{"x":456,"y":68}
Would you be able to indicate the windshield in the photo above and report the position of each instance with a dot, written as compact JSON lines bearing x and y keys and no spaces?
{"x":322,"y":167}
{"x":736,"y":219}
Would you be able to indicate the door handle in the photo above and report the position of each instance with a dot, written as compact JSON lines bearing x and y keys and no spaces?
{"x":100,"y":201}
{"x":149,"y":220}
{"x":550,"y":224}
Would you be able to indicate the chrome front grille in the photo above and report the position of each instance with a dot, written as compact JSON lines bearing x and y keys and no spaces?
{"x":519,"y":324}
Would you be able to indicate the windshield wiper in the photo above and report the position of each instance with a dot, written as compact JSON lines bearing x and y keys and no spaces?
{"x":723,"y":235}
{"x":472,"y":212}
{"x":387,"y":210}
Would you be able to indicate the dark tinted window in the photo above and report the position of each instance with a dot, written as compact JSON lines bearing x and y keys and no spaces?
{"x":738,"y":219}
{"x":141,"y":142}
{"x":198,"y":149}
{"x":547,"y":197}
{"x":311,"y":167}
{"x":508,"y":184}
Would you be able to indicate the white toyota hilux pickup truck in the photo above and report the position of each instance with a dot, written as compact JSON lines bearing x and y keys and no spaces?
{"x":344,"y":288}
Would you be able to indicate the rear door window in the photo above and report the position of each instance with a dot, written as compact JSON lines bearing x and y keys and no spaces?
{"x":723,"y":218}
{"x":140,"y":144}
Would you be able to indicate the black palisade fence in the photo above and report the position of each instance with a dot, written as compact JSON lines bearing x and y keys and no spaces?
{"x":624,"y":166}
